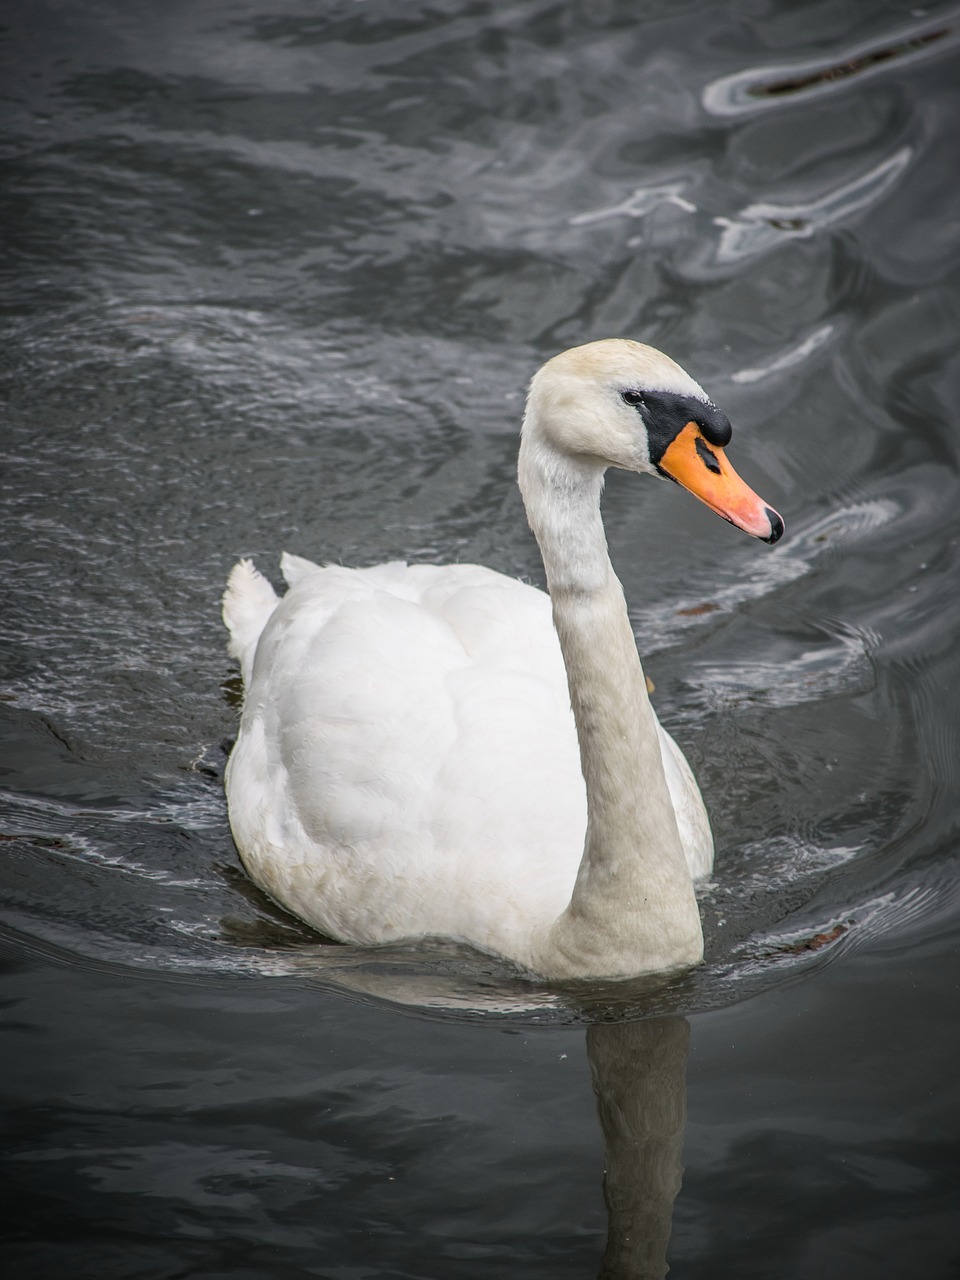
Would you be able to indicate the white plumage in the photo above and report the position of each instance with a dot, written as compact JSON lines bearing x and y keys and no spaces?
{"x":407,"y":764}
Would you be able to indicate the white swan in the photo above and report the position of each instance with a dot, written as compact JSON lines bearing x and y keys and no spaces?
{"x":407,"y":764}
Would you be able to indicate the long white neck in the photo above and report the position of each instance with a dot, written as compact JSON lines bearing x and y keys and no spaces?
{"x":633,"y":908}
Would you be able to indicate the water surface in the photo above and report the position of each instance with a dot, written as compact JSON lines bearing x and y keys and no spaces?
{"x":275,"y":276}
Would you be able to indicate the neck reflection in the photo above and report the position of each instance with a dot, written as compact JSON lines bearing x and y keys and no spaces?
{"x":639,"y":1078}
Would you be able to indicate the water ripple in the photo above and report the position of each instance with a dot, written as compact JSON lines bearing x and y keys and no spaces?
{"x":638,"y":204}
{"x":759,"y":88}
{"x":841,"y":663}
{"x":662,"y":624}
{"x":789,"y":358}
{"x":764,"y":225}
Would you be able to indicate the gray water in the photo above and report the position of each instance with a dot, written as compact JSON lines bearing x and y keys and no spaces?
{"x":275,"y":276}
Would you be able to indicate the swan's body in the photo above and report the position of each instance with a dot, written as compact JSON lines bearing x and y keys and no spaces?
{"x":406,"y":711}
{"x":408,"y":765}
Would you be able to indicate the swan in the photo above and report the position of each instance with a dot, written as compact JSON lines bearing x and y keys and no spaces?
{"x":442,"y":751}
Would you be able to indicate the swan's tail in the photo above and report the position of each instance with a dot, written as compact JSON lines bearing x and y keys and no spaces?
{"x":248,"y":602}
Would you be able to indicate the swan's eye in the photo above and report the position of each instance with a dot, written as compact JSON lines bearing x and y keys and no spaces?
{"x":707,"y":456}
{"x":632,"y":398}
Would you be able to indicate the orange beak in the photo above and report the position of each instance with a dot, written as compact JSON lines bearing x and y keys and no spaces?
{"x":703,"y":469}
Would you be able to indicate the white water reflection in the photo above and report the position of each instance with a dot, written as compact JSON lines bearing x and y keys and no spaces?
{"x":764,"y":225}
{"x":840,"y":664}
{"x":761,"y":88}
{"x":787,"y":359}
{"x":662,"y":624}
{"x":638,"y":204}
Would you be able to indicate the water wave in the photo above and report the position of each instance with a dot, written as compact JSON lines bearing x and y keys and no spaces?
{"x":767,"y":87}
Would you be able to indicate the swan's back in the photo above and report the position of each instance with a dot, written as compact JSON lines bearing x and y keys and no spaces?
{"x":407,"y":762}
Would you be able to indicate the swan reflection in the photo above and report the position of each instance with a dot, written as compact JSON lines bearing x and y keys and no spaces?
{"x":639,"y":1077}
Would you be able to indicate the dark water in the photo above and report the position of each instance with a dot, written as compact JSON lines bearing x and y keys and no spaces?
{"x":274,"y":277}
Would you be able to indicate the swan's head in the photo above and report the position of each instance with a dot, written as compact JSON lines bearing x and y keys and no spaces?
{"x":622,"y":404}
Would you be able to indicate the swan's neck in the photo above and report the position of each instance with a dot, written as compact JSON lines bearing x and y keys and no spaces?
{"x":633,"y":908}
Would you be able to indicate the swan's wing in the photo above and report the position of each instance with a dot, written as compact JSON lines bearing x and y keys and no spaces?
{"x":692,"y":821}
{"x":407,"y":748}
{"x":248,"y":602}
